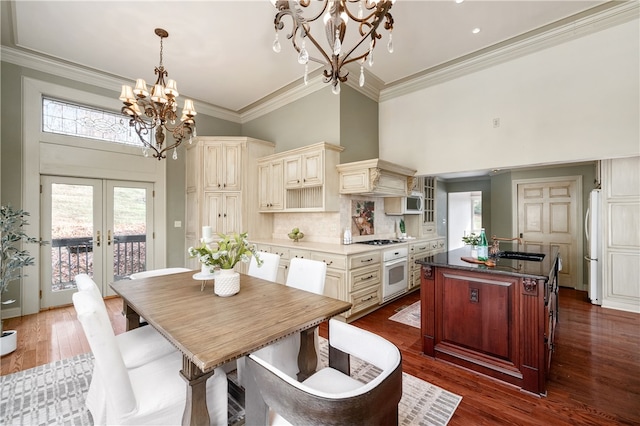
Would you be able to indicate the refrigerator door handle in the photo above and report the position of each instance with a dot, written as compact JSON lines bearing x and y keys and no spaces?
{"x":586,"y":224}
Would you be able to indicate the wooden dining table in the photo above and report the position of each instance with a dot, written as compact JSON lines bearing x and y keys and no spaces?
{"x":210,"y":330}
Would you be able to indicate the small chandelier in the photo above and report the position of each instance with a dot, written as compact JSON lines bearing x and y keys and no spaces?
{"x":159,"y":108}
{"x":337,"y":13}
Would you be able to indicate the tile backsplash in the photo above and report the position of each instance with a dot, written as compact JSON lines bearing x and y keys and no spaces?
{"x":329,"y":227}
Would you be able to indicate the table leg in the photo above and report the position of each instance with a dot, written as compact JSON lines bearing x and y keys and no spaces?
{"x":132,"y":318}
{"x":307,"y":357}
{"x":195,"y":409}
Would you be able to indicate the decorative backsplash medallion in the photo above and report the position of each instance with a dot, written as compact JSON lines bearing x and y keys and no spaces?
{"x":362,"y":213}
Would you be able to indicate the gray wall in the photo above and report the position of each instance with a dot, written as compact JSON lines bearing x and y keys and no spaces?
{"x":314,"y":118}
{"x":358,"y":126}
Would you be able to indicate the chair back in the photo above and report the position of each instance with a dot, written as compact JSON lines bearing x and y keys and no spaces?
{"x":105,"y":349}
{"x":157,"y":272}
{"x":375,"y":402}
{"x":307,"y":274}
{"x":269,"y":269}
{"x":86,"y":284}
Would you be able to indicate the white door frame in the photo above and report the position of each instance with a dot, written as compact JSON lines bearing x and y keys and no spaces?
{"x":580,"y":285}
{"x":45,"y":153}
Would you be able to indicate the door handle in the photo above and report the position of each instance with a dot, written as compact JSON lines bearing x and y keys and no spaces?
{"x":98,"y":238}
{"x":109,"y":237}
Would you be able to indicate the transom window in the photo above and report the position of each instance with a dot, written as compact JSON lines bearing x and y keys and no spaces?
{"x":66,"y":118}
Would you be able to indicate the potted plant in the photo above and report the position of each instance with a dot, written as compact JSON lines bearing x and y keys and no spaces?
{"x":473,"y":240}
{"x":14,"y":258}
{"x":221,"y":257}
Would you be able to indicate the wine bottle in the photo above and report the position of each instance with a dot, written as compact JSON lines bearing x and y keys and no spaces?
{"x":483,"y":247}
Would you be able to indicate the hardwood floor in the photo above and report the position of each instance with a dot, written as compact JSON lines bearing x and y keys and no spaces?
{"x":594,"y":378}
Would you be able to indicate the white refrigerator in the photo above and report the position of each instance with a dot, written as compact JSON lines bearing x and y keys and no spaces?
{"x":593,"y":232}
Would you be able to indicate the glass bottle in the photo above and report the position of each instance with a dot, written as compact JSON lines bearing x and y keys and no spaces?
{"x":483,"y":247}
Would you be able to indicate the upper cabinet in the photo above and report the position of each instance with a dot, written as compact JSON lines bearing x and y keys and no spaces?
{"x":271,"y":185}
{"x":300,"y":180}
{"x":222,"y":160}
{"x":306,"y":169}
{"x":376,"y":178}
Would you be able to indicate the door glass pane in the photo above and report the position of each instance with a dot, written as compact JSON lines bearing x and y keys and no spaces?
{"x":129,"y":231}
{"x":71,"y":234}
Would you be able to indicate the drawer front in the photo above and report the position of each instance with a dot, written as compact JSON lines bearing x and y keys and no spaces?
{"x":333,"y":261}
{"x":420,"y":248}
{"x":364,"y":299}
{"x":364,"y":259}
{"x":303,"y":254}
{"x":282,"y":251}
{"x":263,"y":248}
{"x":364,"y":277}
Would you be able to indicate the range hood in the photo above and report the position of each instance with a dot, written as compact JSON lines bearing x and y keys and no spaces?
{"x":375,"y":177}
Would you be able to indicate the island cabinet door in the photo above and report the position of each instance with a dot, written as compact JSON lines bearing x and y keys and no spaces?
{"x":476,"y":322}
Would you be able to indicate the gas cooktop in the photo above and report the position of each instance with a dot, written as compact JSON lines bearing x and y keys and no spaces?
{"x":379,"y":242}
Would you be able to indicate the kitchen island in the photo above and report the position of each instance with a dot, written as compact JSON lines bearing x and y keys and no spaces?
{"x":496,"y":320}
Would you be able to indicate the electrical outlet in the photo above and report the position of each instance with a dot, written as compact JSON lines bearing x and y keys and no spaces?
{"x":496,"y":122}
{"x":177,"y":224}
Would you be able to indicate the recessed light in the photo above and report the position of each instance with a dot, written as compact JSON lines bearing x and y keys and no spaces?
{"x":475,"y":30}
{"x":459,"y":1}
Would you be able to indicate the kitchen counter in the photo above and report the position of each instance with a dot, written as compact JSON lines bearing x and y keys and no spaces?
{"x":341,"y":249}
{"x":498,"y":321}
{"x":513,"y":267}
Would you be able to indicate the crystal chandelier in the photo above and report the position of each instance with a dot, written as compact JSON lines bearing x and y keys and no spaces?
{"x":159,"y":108}
{"x":336,"y":15}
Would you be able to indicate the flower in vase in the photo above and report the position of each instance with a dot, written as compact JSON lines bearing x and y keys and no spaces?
{"x":226,"y":252}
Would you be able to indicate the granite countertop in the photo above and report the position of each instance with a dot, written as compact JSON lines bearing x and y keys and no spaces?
{"x":343,"y":249}
{"x":523,"y":268}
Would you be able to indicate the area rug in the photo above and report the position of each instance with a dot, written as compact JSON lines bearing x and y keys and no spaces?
{"x":409,"y":315}
{"x":54,"y":394}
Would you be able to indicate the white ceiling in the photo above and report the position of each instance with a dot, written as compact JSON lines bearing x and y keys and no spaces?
{"x":220,"y":52}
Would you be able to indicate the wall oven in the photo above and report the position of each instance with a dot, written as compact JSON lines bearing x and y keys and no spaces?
{"x":394,"y":272}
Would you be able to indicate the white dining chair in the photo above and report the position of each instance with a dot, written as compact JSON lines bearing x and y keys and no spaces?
{"x":269,"y":268}
{"x":303,"y":274}
{"x":157,"y":272}
{"x":138,"y":346}
{"x":152,"y":393}
{"x":331,"y":396}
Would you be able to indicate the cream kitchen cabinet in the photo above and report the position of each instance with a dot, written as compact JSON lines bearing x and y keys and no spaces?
{"x":304,"y":169}
{"x":271,"y":191}
{"x":222,"y":188}
{"x":222,"y":162}
{"x":222,"y":212}
{"x":308,"y":180}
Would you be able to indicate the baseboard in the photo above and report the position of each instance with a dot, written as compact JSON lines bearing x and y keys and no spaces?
{"x":11,"y":313}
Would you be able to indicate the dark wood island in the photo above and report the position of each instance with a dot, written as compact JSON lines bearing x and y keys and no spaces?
{"x":496,"y":320}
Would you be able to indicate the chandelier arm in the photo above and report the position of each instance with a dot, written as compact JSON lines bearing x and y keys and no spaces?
{"x":368,"y":6}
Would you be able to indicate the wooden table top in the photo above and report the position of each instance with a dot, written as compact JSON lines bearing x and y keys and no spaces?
{"x":211,"y":330}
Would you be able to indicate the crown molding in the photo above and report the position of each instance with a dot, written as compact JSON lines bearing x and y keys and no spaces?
{"x":509,"y":50}
{"x":94,"y":78}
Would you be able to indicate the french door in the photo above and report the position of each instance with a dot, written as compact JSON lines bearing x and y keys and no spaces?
{"x":99,"y":227}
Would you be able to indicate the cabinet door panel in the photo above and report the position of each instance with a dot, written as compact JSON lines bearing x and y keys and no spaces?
{"x":212,"y":165}
{"x":312,"y":168}
{"x":231,"y":214}
{"x":212,"y":212}
{"x":476,"y":315}
{"x":231,"y":167}
{"x":293,"y":171}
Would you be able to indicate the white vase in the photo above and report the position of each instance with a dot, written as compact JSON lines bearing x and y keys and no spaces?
{"x":227,"y":282}
{"x":474,"y":251}
{"x":8,"y":342}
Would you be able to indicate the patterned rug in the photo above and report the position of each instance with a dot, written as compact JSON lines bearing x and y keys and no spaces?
{"x":53,"y":394}
{"x":409,"y":315}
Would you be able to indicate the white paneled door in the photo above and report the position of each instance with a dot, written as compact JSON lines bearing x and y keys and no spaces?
{"x":548,"y":215}
{"x":100,"y":227}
